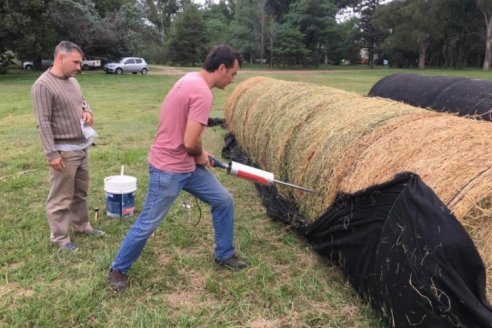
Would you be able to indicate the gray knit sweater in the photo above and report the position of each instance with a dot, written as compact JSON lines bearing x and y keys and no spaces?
{"x":58,"y":105}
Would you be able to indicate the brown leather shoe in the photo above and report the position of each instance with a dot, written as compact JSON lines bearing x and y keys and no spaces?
{"x":117,"y":280}
{"x":232,"y":263}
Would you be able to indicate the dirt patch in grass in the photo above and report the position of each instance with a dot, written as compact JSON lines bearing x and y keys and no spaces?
{"x":266,"y":323}
{"x":188,"y":296}
{"x":15,"y":290}
{"x":167,"y":70}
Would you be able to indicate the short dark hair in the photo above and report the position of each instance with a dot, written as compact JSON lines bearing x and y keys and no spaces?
{"x":67,"y":46}
{"x":221,"y":54}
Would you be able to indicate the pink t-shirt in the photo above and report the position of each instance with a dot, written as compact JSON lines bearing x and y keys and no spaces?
{"x":189,"y":99}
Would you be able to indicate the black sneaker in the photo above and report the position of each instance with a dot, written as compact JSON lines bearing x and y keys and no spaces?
{"x":232,"y":263}
{"x":117,"y":280}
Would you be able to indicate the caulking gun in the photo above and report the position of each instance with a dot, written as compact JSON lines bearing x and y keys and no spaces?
{"x":252,"y":174}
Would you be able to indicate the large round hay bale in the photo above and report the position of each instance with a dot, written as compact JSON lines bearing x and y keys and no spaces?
{"x":446,"y":151}
{"x":335,"y":141}
{"x":236,"y":94}
{"x":301,"y":132}
{"x":441,"y":93}
{"x":331,"y":140}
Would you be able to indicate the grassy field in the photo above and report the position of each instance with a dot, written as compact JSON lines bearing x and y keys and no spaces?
{"x":174,"y":283}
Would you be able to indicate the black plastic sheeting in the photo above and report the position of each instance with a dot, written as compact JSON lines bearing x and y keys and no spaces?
{"x":403,"y":250}
{"x":213,"y":121}
{"x":400,"y":247}
{"x":459,"y":95}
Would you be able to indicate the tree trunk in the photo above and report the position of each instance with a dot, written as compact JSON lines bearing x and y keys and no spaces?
{"x":262,"y":16}
{"x":488,"y":44}
{"x":422,"y":51}
{"x":262,"y":40}
{"x":271,"y":44}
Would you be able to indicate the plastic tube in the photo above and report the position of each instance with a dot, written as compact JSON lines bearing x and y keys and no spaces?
{"x":251,"y":174}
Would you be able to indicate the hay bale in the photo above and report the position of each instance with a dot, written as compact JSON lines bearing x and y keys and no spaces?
{"x":236,"y":94}
{"x":301,"y":131}
{"x":335,"y":141}
{"x":463,"y":96}
{"x":331,"y":140}
{"x":446,"y":151}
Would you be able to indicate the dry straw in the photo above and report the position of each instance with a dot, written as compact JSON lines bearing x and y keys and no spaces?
{"x":331,"y":141}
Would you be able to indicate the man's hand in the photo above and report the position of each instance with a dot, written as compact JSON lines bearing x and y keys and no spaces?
{"x":202,"y":159}
{"x":87,"y":117}
{"x":57,"y":164}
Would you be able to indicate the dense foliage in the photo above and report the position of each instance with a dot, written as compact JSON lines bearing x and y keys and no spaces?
{"x":408,"y":33}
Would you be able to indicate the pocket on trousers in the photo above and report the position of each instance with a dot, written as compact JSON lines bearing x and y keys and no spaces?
{"x":73,"y":155}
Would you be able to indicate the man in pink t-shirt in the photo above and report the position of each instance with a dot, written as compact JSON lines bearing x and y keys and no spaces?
{"x":189,"y":99}
{"x":178,"y":162}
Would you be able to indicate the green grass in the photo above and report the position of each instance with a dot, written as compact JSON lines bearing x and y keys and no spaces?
{"x":174,"y":283}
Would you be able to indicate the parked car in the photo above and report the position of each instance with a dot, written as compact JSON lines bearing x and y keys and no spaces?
{"x":29,"y":65}
{"x":45,"y":63}
{"x":91,"y":64}
{"x":127,"y":64}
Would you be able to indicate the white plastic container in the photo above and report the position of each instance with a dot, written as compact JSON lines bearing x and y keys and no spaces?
{"x":120,"y":195}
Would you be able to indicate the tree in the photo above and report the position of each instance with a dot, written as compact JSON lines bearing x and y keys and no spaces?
{"x":345,"y":45}
{"x":279,"y":9}
{"x":104,"y":7}
{"x":462,"y":39}
{"x":272,"y":34}
{"x":486,"y":8}
{"x":218,"y":18}
{"x":315,"y":19}
{"x":75,"y":20}
{"x":23,"y":29}
{"x":347,"y":3}
{"x":262,"y":19}
{"x":127,"y":32}
{"x":161,"y":13}
{"x":32,"y":28}
{"x":412,"y":25}
{"x":5,"y":61}
{"x":370,"y":37}
{"x":426,"y":24}
{"x":120,"y":32}
{"x":245,"y":29}
{"x":253,"y":27}
{"x":289,"y":46}
{"x":188,"y":41}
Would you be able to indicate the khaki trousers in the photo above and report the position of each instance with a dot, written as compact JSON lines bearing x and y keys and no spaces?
{"x":67,"y":199}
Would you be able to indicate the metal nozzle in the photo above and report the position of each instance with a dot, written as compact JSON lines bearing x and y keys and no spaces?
{"x":293,"y":186}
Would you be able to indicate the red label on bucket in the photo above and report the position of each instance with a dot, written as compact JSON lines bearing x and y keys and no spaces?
{"x":120,"y":205}
{"x":127,"y":210}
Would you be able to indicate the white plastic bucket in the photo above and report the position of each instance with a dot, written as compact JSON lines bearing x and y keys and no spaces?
{"x":120,"y":195}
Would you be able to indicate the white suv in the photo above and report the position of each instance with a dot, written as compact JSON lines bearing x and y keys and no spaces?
{"x":128,"y":64}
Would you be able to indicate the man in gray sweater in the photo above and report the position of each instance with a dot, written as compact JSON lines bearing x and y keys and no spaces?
{"x":63,"y":120}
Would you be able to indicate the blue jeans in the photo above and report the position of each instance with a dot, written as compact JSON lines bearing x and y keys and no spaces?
{"x":163,"y":189}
